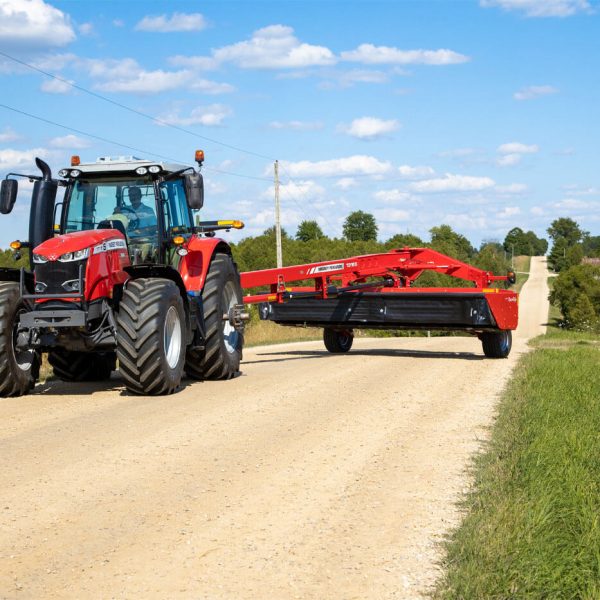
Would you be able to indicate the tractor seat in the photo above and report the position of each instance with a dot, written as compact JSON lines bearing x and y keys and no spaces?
{"x":113,"y":224}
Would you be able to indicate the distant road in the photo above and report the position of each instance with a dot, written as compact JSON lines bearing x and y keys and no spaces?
{"x":310,"y":476}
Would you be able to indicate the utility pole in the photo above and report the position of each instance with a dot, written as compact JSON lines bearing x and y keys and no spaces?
{"x":277,"y":218}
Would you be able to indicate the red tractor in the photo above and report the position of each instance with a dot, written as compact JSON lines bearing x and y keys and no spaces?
{"x":125,"y":274}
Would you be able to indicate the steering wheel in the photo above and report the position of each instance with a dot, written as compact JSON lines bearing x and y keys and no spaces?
{"x":134,"y":221}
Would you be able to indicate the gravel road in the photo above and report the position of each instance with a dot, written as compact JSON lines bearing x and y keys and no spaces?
{"x":310,"y":476}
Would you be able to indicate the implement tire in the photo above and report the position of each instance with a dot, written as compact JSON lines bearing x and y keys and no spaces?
{"x":223,"y":344}
{"x":497,"y":344}
{"x":151,"y":336}
{"x":18,"y":370}
{"x":337,"y":341}
{"x":82,"y":366}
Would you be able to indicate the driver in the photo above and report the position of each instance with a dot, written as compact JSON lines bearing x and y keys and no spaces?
{"x":145,"y":215}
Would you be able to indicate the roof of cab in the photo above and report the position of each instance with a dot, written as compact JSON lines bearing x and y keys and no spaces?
{"x":111,"y":164}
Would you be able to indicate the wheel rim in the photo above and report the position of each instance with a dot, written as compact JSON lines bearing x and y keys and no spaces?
{"x":504,"y":341}
{"x":172,"y":337}
{"x":23,"y":358}
{"x":230,"y":334}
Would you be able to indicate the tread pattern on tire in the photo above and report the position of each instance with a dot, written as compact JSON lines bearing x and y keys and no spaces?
{"x":215,"y":362}
{"x":140,"y":327}
{"x":13,"y":381}
{"x":336,"y":341}
{"x":497,"y":344}
{"x":81,"y":366}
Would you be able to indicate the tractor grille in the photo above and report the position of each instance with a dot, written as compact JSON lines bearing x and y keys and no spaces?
{"x":58,"y":277}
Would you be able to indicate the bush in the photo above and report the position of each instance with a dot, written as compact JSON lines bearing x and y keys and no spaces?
{"x":577,"y":293}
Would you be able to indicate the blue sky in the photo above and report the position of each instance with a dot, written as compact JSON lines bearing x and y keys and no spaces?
{"x":480,"y":114}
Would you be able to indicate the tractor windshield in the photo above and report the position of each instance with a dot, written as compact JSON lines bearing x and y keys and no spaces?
{"x":126,"y":205}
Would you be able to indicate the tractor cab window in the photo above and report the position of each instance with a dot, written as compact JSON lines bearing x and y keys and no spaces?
{"x":175,"y":207}
{"x":125,"y":205}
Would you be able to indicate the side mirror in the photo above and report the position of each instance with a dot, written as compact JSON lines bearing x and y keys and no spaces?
{"x":194,"y":190}
{"x":8,"y":195}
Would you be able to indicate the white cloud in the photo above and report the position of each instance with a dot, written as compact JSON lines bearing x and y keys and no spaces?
{"x":15,"y":159}
{"x":538,"y":211}
{"x":513,"y":188}
{"x":509,"y":211}
{"x":194,"y":62}
{"x":296,"y":190}
{"x":86,"y":29}
{"x":176,"y":22}
{"x":56,"y":86}
{"x":118,"y":23}
{"x":209,"y":116}
{"x":274,"y":47}
{"x":346,"y":183}
{"x":351,"y":165}
{"x":69,"y":142}
{"x":576,"y":204}
{"x":126,"y":75}
{"x":452,"y":183}
{"x":577,"y":190}
{"x":542,"y":8}
{"x":393,"y":215}
{"x":518,"y":148}
{"x":534,"y":91}
{"x":33,"y":24}
{"x":419,"y":172}
{"x":370,"y":128}
{"x":9,"y":135}
{"x":385,"y":55}
{"x":346,"y":79}
{"x":509,"y":160}
{"x":297,"y":125}
{"x":394,"y":196}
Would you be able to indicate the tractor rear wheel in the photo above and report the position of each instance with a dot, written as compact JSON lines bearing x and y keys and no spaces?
{"x":337,"y":341}
{"x":19,"y":369}
{"x":151,"y":336}
{"x":82,"y":366}
{"x":223,"y":344}
{"x":497,"y":344}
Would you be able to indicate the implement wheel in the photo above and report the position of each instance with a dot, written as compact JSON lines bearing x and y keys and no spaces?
{"x":338,"y":341}
{"x":82,"y":366}
{"x":497,"y":344}
{"x":151,"y":336}
{"x":19,"y":369}
{"x":223,"y":345}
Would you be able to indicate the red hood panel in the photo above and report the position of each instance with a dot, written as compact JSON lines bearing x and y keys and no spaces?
{"x":78,"y":240}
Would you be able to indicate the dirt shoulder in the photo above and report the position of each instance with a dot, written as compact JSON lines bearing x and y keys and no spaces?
{"x":310,"y":476}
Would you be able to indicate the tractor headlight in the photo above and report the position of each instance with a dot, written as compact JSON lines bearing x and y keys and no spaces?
{"x":72,"y":256}
{"x":141,"y":170}
{"x":39,"y":259}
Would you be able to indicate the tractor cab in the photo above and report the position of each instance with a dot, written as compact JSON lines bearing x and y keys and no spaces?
{"x":148,"y":203}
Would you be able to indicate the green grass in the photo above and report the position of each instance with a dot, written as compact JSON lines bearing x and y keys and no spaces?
{"x":522,"y":266}
{"x":532,"y":524}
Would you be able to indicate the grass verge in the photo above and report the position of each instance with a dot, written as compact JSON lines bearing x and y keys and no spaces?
{"x":532,"y":524}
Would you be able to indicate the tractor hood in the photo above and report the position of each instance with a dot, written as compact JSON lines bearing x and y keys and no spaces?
{"x":55,"y":247}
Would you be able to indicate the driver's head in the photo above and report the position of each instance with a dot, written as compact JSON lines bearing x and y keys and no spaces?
{"x":135,"y":196}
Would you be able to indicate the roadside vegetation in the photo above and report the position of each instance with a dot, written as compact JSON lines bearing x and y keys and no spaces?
{"x":531,"y":526}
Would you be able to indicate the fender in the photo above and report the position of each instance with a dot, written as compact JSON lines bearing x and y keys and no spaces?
{"x":194,"y":266}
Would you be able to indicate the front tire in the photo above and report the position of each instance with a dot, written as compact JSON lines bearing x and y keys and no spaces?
{"x":497,"y":344}
{"x":223,"y":344}
{"x":151,"y":336}
{"x":82,"y":366}
{"x":19,"y":370}
{"x":337,"y":341}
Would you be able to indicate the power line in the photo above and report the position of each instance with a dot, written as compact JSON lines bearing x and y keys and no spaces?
{"x":132,"y":110}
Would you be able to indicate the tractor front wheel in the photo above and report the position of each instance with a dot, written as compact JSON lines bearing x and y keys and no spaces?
{"x":82,"y":366}
{"x":337,"y":341}
{"x":223,"y":344}
{"x":19,"y":369}
{"x":497,"y":344}
{"x":151,"y":336}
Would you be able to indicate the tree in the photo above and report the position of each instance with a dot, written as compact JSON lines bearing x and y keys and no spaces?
{"x":524,"y":243}
{"x":308,"y":231}
{"x":360,"y":226}
{"x":566,"y":228}
{"x":445,"y":240}
{"x":569,"y":286}
{"x":400,"y":240}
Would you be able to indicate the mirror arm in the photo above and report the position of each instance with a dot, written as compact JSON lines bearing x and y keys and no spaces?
{"x":30,"y":177}
{"x":176,"y":173}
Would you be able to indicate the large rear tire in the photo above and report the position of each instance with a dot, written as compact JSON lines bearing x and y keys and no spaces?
{"x":223,"y":345}
{"x":82,"y":366}
{"x":151,"y":336}
{"x":19,"y":370}
{"x":337,"y":341}
{"x":497,"y":344}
